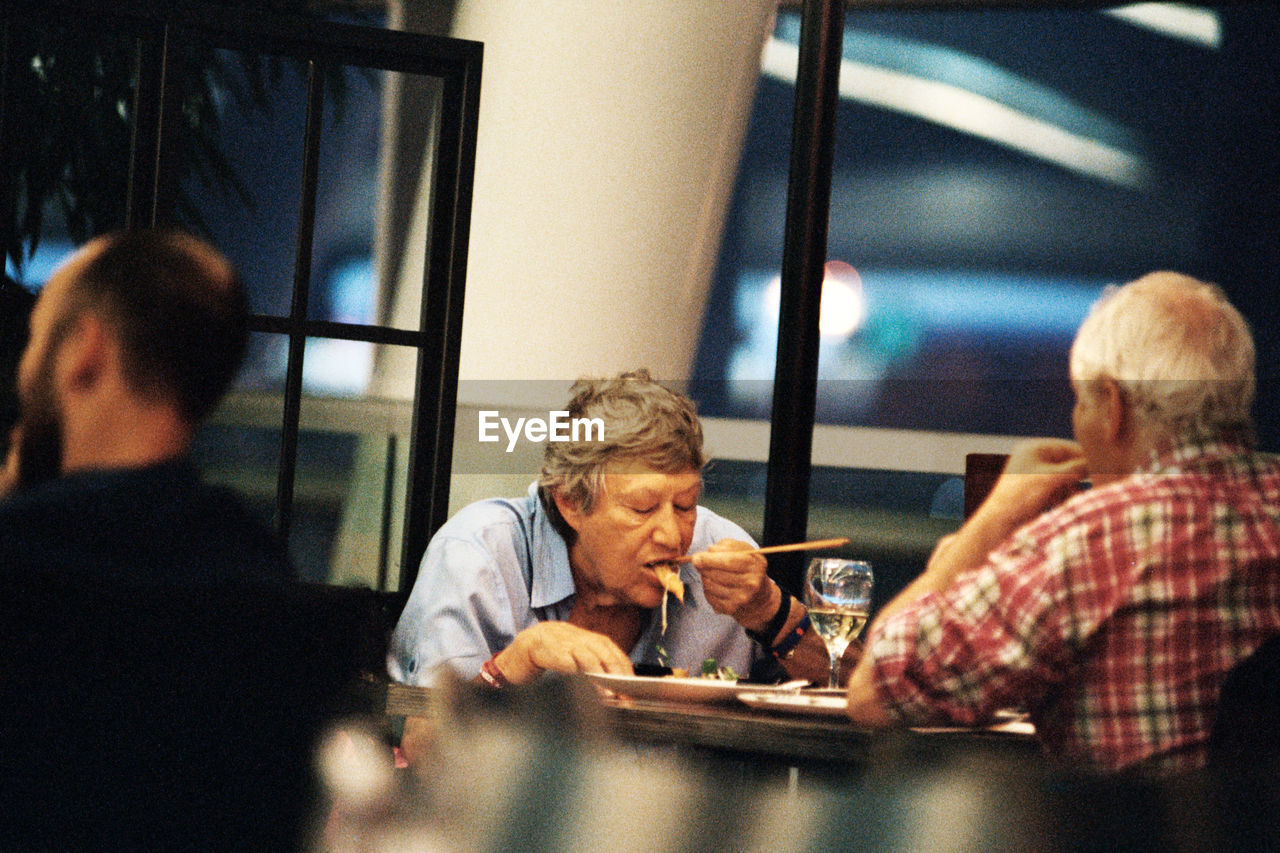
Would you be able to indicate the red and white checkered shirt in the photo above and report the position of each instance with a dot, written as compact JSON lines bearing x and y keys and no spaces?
{"x":1113,"y":618}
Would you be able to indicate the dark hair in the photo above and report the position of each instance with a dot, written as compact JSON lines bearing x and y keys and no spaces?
{"x":179,"y":309}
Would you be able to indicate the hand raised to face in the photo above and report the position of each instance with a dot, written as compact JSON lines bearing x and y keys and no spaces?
{"x":736,"y":583}
{"x":1039,"y":475}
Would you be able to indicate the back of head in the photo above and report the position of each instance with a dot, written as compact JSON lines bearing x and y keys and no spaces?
{"x":179,"y":310}
{"x":644,"y":424}
{"x":1182,"y":354}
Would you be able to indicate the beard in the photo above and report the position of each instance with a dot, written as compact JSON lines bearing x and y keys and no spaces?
{"x":39,"y":433}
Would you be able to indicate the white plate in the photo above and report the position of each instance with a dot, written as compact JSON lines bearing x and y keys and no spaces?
{"x":668,"y":687}
{"x":819,"y":704}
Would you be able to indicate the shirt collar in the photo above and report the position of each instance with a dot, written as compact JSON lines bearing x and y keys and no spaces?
{"x":552,"y":576}
{"x":1193,"y":451}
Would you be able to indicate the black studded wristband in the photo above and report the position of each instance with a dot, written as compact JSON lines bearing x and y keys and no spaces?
{"x":766,"y":636}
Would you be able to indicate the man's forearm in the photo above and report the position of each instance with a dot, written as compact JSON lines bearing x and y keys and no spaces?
{"x":1040,"y":474}
{"x":967,"y":548}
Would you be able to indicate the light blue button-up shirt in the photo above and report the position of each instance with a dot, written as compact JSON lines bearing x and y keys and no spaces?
{"x":498,"y":566}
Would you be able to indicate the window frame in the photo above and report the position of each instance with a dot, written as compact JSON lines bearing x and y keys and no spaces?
{"x":154,"y":173}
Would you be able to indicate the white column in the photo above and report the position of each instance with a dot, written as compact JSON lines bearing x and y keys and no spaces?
{"x":609,"y":138}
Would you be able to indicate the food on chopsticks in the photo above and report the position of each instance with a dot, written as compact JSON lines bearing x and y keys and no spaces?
{"x":669,"y":577}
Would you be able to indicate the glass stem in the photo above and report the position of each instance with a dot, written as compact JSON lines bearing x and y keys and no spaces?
{"x":834,"y":679}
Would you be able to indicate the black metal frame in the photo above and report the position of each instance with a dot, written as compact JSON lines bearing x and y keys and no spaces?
{"x":786,"y":502}
{"x":153,"y":175}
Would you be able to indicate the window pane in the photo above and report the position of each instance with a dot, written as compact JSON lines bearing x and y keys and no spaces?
{"x":342,"y":275}
{"x":243,"y":169}
{"x":345,"y":522}
{"x":372,"y":181}
{"x":330,"y":471}
{"x":352,"y":477}
{"x":994,"y":169}
{"x":239,"y":447}
{"x":233,"y":451}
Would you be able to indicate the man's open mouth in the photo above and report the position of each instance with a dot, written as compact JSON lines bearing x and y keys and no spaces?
{"x":668,"y":574}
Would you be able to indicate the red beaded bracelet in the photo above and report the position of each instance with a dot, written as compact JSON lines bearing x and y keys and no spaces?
{"x":491,"y":675}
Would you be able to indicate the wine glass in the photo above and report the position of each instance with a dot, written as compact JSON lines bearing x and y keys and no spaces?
{"x":837,"y":593}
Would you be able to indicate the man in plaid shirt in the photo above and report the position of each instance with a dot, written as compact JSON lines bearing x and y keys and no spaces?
{"x":1113,"y":614}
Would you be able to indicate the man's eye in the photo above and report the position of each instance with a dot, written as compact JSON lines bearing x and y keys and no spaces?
{"x":643,"y":510}
{"x":688,"y":508}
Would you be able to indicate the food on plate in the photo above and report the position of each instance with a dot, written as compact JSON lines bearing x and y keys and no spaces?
{"x":712,"y":669}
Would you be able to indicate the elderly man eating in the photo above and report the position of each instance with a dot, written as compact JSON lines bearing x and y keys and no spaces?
{"x":569,"y":578}
{"x":1113,"y":614}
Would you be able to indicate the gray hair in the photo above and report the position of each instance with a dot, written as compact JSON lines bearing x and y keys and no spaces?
{"x":644,"y":424}
{"x":1182,"y":355}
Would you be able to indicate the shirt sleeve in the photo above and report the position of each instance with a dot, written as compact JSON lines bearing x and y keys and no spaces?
{"x":711,"y":528}
{"x":459,"y":614}
{"x":997,"y":637}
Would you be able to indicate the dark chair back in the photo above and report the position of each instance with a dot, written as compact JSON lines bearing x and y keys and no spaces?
{"x":981,"y":470}
{"x":169,"y":717}
{"x":1246,"y":730}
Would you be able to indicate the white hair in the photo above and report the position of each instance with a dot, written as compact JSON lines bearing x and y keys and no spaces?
{"x":1180,"y":352}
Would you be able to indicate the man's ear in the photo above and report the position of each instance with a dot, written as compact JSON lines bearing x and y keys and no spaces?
{"x":1115,"y":407}
{"x":84,"y":355}
{"x":568,"y":509}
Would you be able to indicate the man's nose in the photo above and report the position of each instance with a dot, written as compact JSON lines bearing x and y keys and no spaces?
{"x":666,"y":528}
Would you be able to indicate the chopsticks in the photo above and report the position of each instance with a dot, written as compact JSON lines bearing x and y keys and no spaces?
{"x":815,"y":545}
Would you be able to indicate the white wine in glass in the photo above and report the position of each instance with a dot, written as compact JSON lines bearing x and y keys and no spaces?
{"x":837,"y":593}
{"x":835,"y":625}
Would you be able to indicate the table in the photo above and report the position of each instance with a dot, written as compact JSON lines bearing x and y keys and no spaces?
{"x":763,"y":738}
{"x":825,"y":749}
{"x":843,"y":787}
{"x":739,"y":729}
